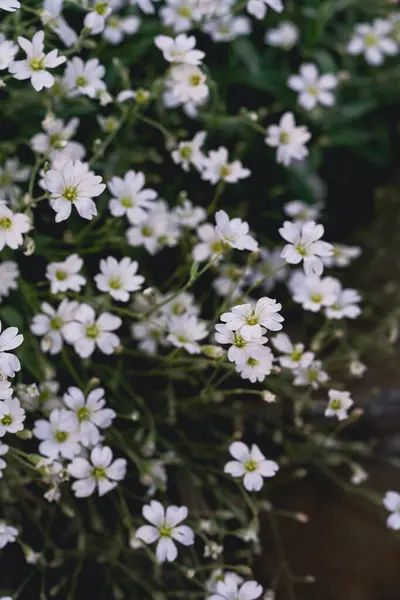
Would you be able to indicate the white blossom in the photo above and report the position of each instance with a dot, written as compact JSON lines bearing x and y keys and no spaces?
{"x":185,"y":332}
{"x":84,"y":78}
{"x":130,"y":198}
{"x":51,"y":16}
{"x":8,"y":50}
{"x":10,"y":174}
{"x":285,"y":35}
{"x":86,"y":331}
{"x":313,"y":88}
{"x":10,"y":5}
{"x":312,"y":375}
{"x":305,"y":245}
{"x":116,"y":28}
{"x":101,"y":472}
{"x":189,"y":152}
{"x":373,"y":41}
{"x":289,"y":139}
{"x":12,"y":227}
{"x":58,"y":435}
{"x":65,"y":275}
{"x":258,"y":8}
{"x":9,"y":340}
{"x":12,"y":416}
{"x":90,"y":414}
{"x":391,"y":502}
{"x":189,"y":216}
{"x":8,"y":534}
{"x":50,"y":324}
{"x":216,"y":167}
{"x":251,"y":320}
{"x":119,"y":279}
{"x":95,"y":19}
{"x":294,"y":354}
{"x":339,"y":404}
{"x":181,"y":49}
{"x":250,"y":464}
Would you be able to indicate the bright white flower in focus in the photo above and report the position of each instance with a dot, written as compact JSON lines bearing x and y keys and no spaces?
{"x":289,"y":139}
{"x":165,"y":529}
{"x":96,"y":18}
{"x":86,"y":332}
{"x":117,"y":28}
{"x":313,"y":375}
{"x":312,"y":87}
{"x":119,"y":279}
{"x":187,"y":83}
{"x":189,"y":216}
{"x":50,"y":324}
{"x":190,"y":153}
{"x":35,"y":66}
{"x":285,"y":35}
{"x":101,"y":472}
{"x":9,"y":274}
{"x":10,"y":5}
{"x":301,"y":213}
{"x":391,"y":502}
{"x":339,"y":404}
{"x":130,"y":198}
{"x":12,"y":227}
{"x":240,"y":348}
{"x":250,"y":320}
{"x":294,"y":354}
{"x":9,"y":340}
{"x":84,"y":78}
{"x":234,"y":233}
{"x":64,"y":276}
{"x":181,"y":49}
{"x":89,"y":413}
{"x":8,"y":534}
{"x":258,"y":8}
{"x":185,"y":332}
{"x":12,"y":416}
{"x":58,"y":435}
{"x":216,"y":167}
{"x":258,"y":363}
{"x":73,"y":185}
{"x":305,"y":245}
{"x":250,"y":464}
{"x":373,"y":41}
{"x":8,"y":50}
{"x":51,"y":17}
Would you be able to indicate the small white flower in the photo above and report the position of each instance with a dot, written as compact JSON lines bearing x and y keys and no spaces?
{"x":12,"y":227}
{"x":294,"y":354}
{"x":258,"y":8}
{"x":51,"y":16}
{"x":9,"y":340}
{"x":357,"y":368}
{"x":101,"y":472}
{"x":305,"y":245}
{"x":227,"y":28}
{"x":10,"y":173}
{"x":165,"y":529}
{"x":58,"y":434}
{"x":229,"y":589}
{"x":240,"y":348}
{"x":289,"y":139}
{"x":210,"y":243}
{"x":373,"y":41}
{"x":258,"y":363}
{"x":217,"y":576}
{"x":359,"y":475}
{"x":187,"y":215}
{"x":150,"y":335}
{"x":315,"y":293}
{"x":301,"y":213}
{"x":10,"y":5}
{"x":312,"y":375}
{"x":187,"y":83}
{"x":234,"y":233}
{"x":12,"y":416}
{"x":84,"y":78}
{"x":313,"y":89}
{"x":8,"y":534}
{"x":391,"y":502}
{"x":250,"y":464}
{"x":3,"y":451}
{"x":86,"y":331}
{"x":130,"y":198}
{"x":35,"y":66}
{"x":216,"y":167}
{"x":180,"y":49}
{"x":185,"y":331}
{"x":51,"y":323}
{"x":251,"y":320}
{"x":339,"y":404}
{"x":56,"y":137}
{"x":180,"y":14}
{"x":342,"y":255}
{"x":182,"y":304}
{"x":117,"y":28}
{"x":158,"y":230}
{"x":119,"y":279}
{"x":89,"y":413}
{"x":345,"y":304}
{"x":73,"y":185}
{"x":5,"y":389}
{"x":190,"y":153}
{"x":285,"y":35}
{"x":8,"y":50}
{"x":64,"y":276}
{"x":96,"y":18}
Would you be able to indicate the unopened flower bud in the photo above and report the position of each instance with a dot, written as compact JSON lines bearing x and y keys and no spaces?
{"x":268,"y":396}
{"x":30,"y":246}
{"x":213,"y":351}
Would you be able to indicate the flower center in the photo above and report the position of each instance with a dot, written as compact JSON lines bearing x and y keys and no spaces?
{"x":184,"y":11}
{"x":312,"y":375}
{"x":370,"y":40}
{"x":142,"y":95}
{"x":252,"y":362}
{"x":336,"y":404}
{"x":37,"y":64}
{"x":147,"y":231}
{"x":101,"y":8}
{"x":81,"y":81}
{"x":6,"y":420}
{"x":284,"y":137}
{"x":98,"y":473}
{"x":83,"y":414}
{"x":225,"y":170}
{"x":316,"y":298}
{"x":186,"y":152}
{"x":127,"y":201}
{"x":238,"y":341}
{"x":61,"y":275}
{"x":178,"y":308}
{"x":56,"y":323}
{"x":301,"y":250}
{"x":195,"y":80}
{"x":70,"y":193}
{"x":313,"y":90}
{"x":296,"y":355}
{"x":61,"y":436}
{"x":56,"y":141}
{"x":113,"y":22}
{"x":165,"y":531}
{"x":92,"y":331}
{"x":252,"y":319}
{"x":115,"y":283}
{"x":5,"y":223}
{"x":250,"y":465}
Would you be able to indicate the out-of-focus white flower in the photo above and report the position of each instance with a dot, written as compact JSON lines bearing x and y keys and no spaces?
{"x":95,"y":19}
{"x":130,"y":198}
{"x":312,"y":375}
{"x":181,"y":49}
{"x":185,"y":332}
{"x":116,"y":28}
{"x":84,"y":78}
{"x":339,"y":404}
{"x":65,"y":275}
{"x":391,"y":502}
{"x":9,"y":340}
{"x":189,"y":152}
{"x":294,"y":354}
{"x":312,"y":87}
{"x":289,"y":139}
{"x":285,"y":35}
{"x":373,"y":41}
{"x":51,"y":16}
{"x":216,"y":167}
{"x":258,"y":8}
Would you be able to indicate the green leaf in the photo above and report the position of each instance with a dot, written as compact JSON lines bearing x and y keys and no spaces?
{"x":11,"y":317}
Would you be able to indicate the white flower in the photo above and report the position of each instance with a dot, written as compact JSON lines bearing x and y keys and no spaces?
{"x":391,"y":502}
{"x":359,"y":475}
{"x":84,"y":78}
{"x":240,"y":348}
{"x":51,"y":323}
{"x":185,"y":331}
{"x":258,"y":363}
{"x":357,"y":368}
{"x":182,"y":304}
{"x":12,"y":227}
{"x":227,"y":28}
{"x":150,"y":335}
{"x":217,"y":576}
{"x":301,"y":213}
{"x":187,"y":83}
{"x":10,"y":5}
{"x":312,"y":375}
{"x":5,"y":389}
{"x":116,"y":28}
{"x":166,"y":529}
{"x":58,"y":434}
{"x":216,"y":167}
{"x":64,"y":276}
{"x":73,"y":185}
{"x":230,"y":281}
{"x":51,"y":16}
{"x":289,"y":139}
{"x":250,"y":320}
{"x":96,"y":17}
{"x":119,"y":279}
{"x":285,"y":35}
{"x":250,"y":464}
{"x":46,"y":398}
{"x":345,"y":304}
{"x":86,"y":332}
{"x":187,"y":215}
{"x":229,"y":589}
{"x":57,"y":137}
{"x":180,"y":49}
{"x":294,"y":353}
{"x":258,"y":8}
{"x":339,"y":404}
{"x":9,"y":340}
{"x":234,"y":233}
{"x":158,"y":230}
{"x":189,"y":152}
{"x":12,"y":416}
{"x":8,"y":50}
{"x":129,"y":197}
{"x":101,"y":472}
{"x":35,"y":66}
{"x":145,"y":5}
{"x":210,"y":244}
{"x":10,"y":173}
{"x":89,"y":414}
{"x":373,"y":41}
{"x":305,"y":245}
{"x":270,"y":269}
{"x":315,"y":293}
{"x":3,"y":451}
{"x":342,"y":255}
{"x":8,"y":534}
{"x":313,"y":89}
{"x":180,"y":14}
